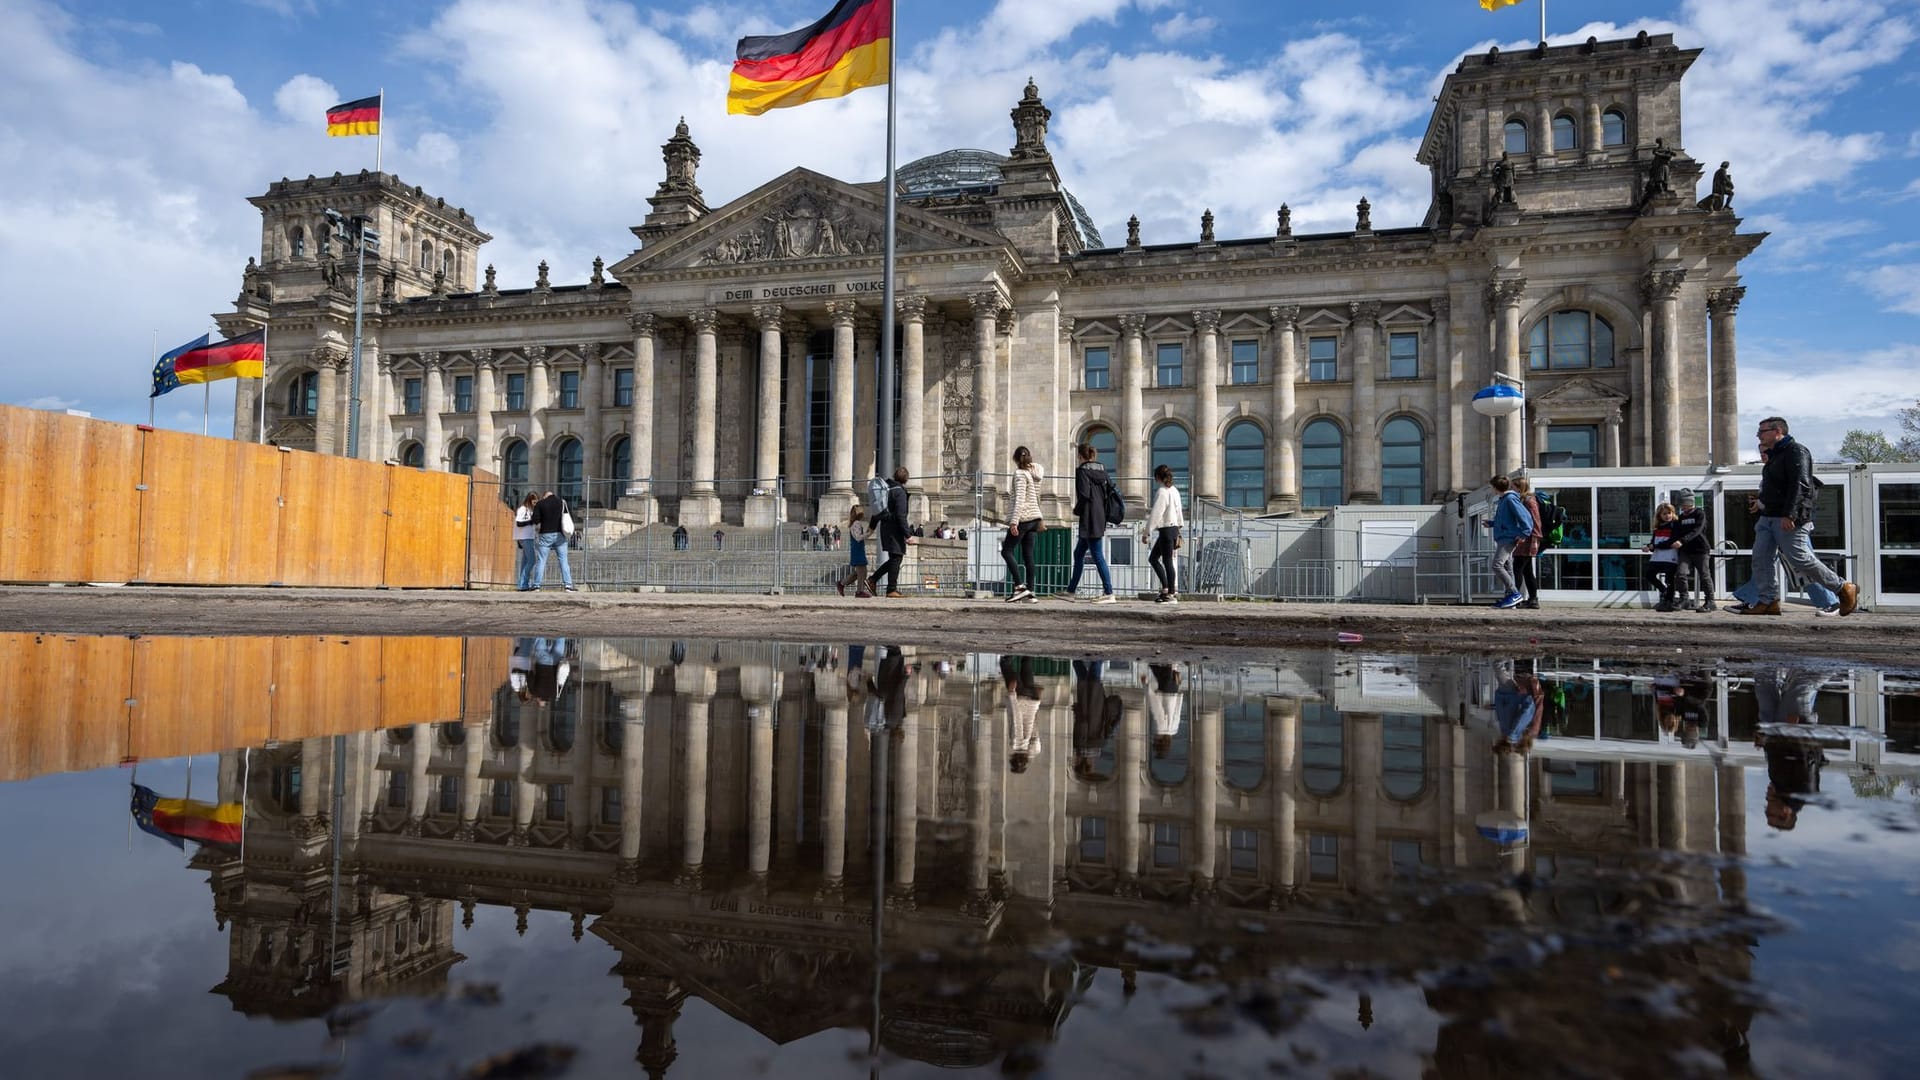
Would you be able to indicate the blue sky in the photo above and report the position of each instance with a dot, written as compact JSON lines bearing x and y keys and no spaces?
{"x":135,"y":131}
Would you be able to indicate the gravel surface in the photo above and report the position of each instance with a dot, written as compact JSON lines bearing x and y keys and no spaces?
{"x":1140,"y":629}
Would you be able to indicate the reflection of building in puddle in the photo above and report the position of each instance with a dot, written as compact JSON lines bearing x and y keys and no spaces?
{"x":723,"y":820}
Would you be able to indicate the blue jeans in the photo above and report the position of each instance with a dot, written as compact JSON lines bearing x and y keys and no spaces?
{"x":555,"y":542}
{"x":1795,"y":548}
{"x":1090,"y":545}
{"x":523,"y":572}
{"x":1821,"y":596}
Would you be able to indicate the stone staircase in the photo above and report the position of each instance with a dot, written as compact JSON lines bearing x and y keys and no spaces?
{"x":623,"y":556}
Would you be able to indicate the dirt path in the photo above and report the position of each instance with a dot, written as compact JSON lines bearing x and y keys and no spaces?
{"x":1219,"y":630}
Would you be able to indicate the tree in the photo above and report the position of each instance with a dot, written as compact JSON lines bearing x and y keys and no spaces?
{"x":1870,"y":446}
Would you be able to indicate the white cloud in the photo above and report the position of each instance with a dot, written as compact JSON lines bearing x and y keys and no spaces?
{"x":1854,"y":390}
{"x":56,"y":404}
{"x":304,"y":97}
{"x":1184,"y":27}
{"x":1896,"y":283}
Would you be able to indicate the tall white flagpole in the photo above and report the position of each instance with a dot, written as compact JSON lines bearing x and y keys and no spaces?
{"x":884,"y":447}
{"x":1543,"y":21}
{"x":152,"y":398}
{"x":262,"y":395}
{"x":380,"y":125}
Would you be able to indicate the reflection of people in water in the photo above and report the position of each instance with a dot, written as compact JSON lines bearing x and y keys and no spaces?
{"x":1682,"y":705}
{"x":519,"y":667}
{"x":1789,"y":695}
{"x":1518,"y":707}
{"x":1096,"y":715}
{"x":1023,"y":711}
{"x":1164,"y":705}
{"x":550,"y":669}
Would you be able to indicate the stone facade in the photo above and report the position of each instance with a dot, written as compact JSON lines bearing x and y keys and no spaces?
{"x":730,"y":359}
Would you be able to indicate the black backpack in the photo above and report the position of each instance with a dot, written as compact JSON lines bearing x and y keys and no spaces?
{"x":1553,"y":520}
{"x":1116,"y":503}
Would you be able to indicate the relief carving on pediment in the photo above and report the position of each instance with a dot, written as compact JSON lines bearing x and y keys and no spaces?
{"x":806,"y":227}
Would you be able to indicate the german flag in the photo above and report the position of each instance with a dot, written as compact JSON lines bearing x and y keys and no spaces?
{"x":355,"y":117}
{"x":243,"y":357}
{"x":176,"y":820}
{"x":849,"y":48}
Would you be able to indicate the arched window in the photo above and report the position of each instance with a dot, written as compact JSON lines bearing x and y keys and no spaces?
{"x":513,"y":465}
{"x":452,"y":732}
{"x":426,"y":254}
{"x":1246,"y":465}
{"x":1613,"y":128}
{"x":446,"y":263}
{"x":620,"y":465}
{"x":303,"y":394}
{"x":413,"y":456}
{"x":1244,"y":743}
{"x":562,"y":725}
{"x":1403,"y":756}
{"x":1171,"y":448}
{"x":570,"y":458}
{"x":1323,"y":472}
{"x":463,"y":458}
{"x":1403,"y":462}
{"x":1106,"y":448}
{"x":1516,"y":136}
{"x":506,"y":718}
{"x":1566,"y":134}
{"x":400,"y":736}
{"x":1569,"y":340}
{"x":1323,"y":748}
{"x":298,"y":238}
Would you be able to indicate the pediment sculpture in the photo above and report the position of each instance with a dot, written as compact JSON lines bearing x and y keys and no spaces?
{"x":804,"y":228}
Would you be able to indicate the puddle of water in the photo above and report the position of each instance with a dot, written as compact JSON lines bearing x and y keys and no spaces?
{"x":533,"y":857}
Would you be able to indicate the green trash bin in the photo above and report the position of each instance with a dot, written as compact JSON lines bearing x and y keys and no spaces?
{"x":1050,"y":560}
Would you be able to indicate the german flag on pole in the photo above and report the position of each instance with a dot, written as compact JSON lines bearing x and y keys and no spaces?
{"x":850,"y":47}
{"x":174,"y":820}
{"x":243,"y":357}
{"x":355,"y":117}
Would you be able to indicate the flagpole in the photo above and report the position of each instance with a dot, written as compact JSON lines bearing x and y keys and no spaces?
{"x":151,"y":399}
{"x":885,"y":359}
{"x":1543,"y":22}
{"x":246,"y":773}
{"x":379,"y":139}
{"x":262,"y":395}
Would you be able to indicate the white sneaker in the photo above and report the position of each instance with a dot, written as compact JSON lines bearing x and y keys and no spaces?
{"x":1019,"y":593}
{"x":1173,"y":598}
{"x":1830,"y":611}
{"x":1109,"y":598}
{"x":1030,"y":599}
{"x":1064,"y":595}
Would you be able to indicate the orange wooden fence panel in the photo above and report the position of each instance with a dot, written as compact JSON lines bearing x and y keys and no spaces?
{"x":427,"y":532}
{"x":200,"y":695}
{"x":63,"y":703}
{"x":68,"y":508}
{"x":490,"y":547}
{"x":211,"y":513}
{"x":419,"y":680}
{"x":325,"y":685}
{"x":333,"y":530}
{"x":486,"y":672}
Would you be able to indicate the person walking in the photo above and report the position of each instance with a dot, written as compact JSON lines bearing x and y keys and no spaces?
{"x":1665,"y":562}
{"x":1023,"y":530}
{"x":1511,"y":524}
{"x":1090,"y":511}
{"x":856,"y":554}
{"x":525,"y":534}
{"x":1526,"y":553}
{"x":1164,"y":521}
{"x":1788,"y":494}
{"x":893,"y":534}
{"x":1690,"y":538}
{"x":550,"y":519}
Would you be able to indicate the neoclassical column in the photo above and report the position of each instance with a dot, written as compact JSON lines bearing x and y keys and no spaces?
{"x":330,"y":426}
{"x":866,"y":397}
{"x":539,"y":476}
{"x":1451,"y":414}
{"x":1724,"y":304}
{"x":1610,"y":449}
{"x":473,"y":754}
{"x":525,"y":792}
{"x":592,"y":375}
{"x":1363,"y":479}
{"x":759,"y":788}
{"x":981,"y":767}
{"x":633,"y":750}
{"x":1595,"y":146}
{"x":767,"y":439}
{"x":1541,"y":426}
{"x":1283,"y":481}
{"x":906,"y":806}
{"x":1511,"y":438}
{"x":833,"y":795}
{"x":1208,"y":723}
{"x":313,"y":754}
{"x":986,"y":384}
{"x":1662,"y":290}
{"x":486,"y":398}
{"x":1133,"y":410}
{"x":1731,"y":792}
{"x":696,"y":687}
{"x":376,"y":390}
{"x":419,"y":756}
{"x":912,"y":312}
{"x":840,"y":462}
{"x":640,"y":414}
{"x":435,"y":394}
{"x":1363,"y":736}
{"x":706,"y":396}
{"x":1208,"y":479}
{"x":1130,"y":763}
{"x":1283,"y":733}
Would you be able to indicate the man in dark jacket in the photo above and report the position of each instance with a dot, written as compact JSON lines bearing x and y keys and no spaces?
{"x":1690,"y":539}
{"x":1090,"y":508}
{"x":1785,"y":523}
{"x":893,"y":533}
{"x":550,"y":515}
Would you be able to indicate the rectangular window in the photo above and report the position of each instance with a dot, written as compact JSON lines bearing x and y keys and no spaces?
{"x":1571,"y":446}
{"x":609,"y":806}
{"x":1166,"y":844}
{"x":1323,"y":356}
{"x":516,"y":391}
{"x":556,"y":802}
{"x":1246,"y":363}
{"x":1405,"y":856}
{"x":1403,"y":356}
{"x":1099,"y":369}
{"x":463,"y":393}
{"x":1170,"y":360}
{"x":1323,"y":857}
{"x":1093,"y":840}
{"x":502,"y":799}
{"x":569,"y":389}
{"x":1243,"y":852}
{"x":410,"y":396}
{"x":449,"y":794}
{"x":623,"y":387}
{"x":397,"y":789}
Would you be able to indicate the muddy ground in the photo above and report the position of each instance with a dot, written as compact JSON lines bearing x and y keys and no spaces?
{"x":1213,"y":629}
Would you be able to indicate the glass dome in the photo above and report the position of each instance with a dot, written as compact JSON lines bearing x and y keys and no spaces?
{"x":954,"y":172}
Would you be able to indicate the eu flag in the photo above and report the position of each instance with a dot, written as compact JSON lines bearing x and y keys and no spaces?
{"x":164,"y":378}
{"x":144,"y":801}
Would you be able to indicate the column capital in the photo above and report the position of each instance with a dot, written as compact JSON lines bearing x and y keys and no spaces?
{"x":1613,"y":419}
{"x":590,"y":352}
{"x":1724,"y":302}
{"x":1066,"y":328}
{"x":642,"y":323}
{"x":767,"y":316}
{"x":536,"y":356}
{"x":1133,"y":324}
{"x":1365,"y":311}
{"x":1285,"y":317}
{"x":430,"y":361}
{"x":483,"y":358}
{"x":1442,"y":307}
{"x":1662,"y":285}
{"x":1006,"y":316}
{"x":1206,"y":320}
{"x":986,"y":304}
{"x":842,"y":312}
{"x":327,"y":356}
{"x":1507,"y":292}
{"x":911,"y":309}
{"x":703,"y":320}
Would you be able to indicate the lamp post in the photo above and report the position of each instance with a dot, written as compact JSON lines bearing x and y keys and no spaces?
{"x":354,"y":230}
{"x":1507,"y":396}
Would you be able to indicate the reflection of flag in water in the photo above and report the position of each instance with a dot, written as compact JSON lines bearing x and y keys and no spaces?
{"x":177,"y":820}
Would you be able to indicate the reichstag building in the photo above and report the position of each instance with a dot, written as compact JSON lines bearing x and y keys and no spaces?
{"x":725,"y":371}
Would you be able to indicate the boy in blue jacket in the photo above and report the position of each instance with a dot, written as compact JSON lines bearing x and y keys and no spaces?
{"x":1511,"y":524}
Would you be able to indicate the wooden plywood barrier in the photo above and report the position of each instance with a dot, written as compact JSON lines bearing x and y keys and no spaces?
{"x":68,"y":505}
{"x":426,"y":512}
{"x":210,"y":513}
{"x":491,"y":552}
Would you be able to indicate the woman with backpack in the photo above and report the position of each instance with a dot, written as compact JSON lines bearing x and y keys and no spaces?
{"x":856,"y":555}
{"x":1023,"y":532}
{"x":1164,"y":522}
{"x":1526,"y":552}
{"x":1090,"y":483}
